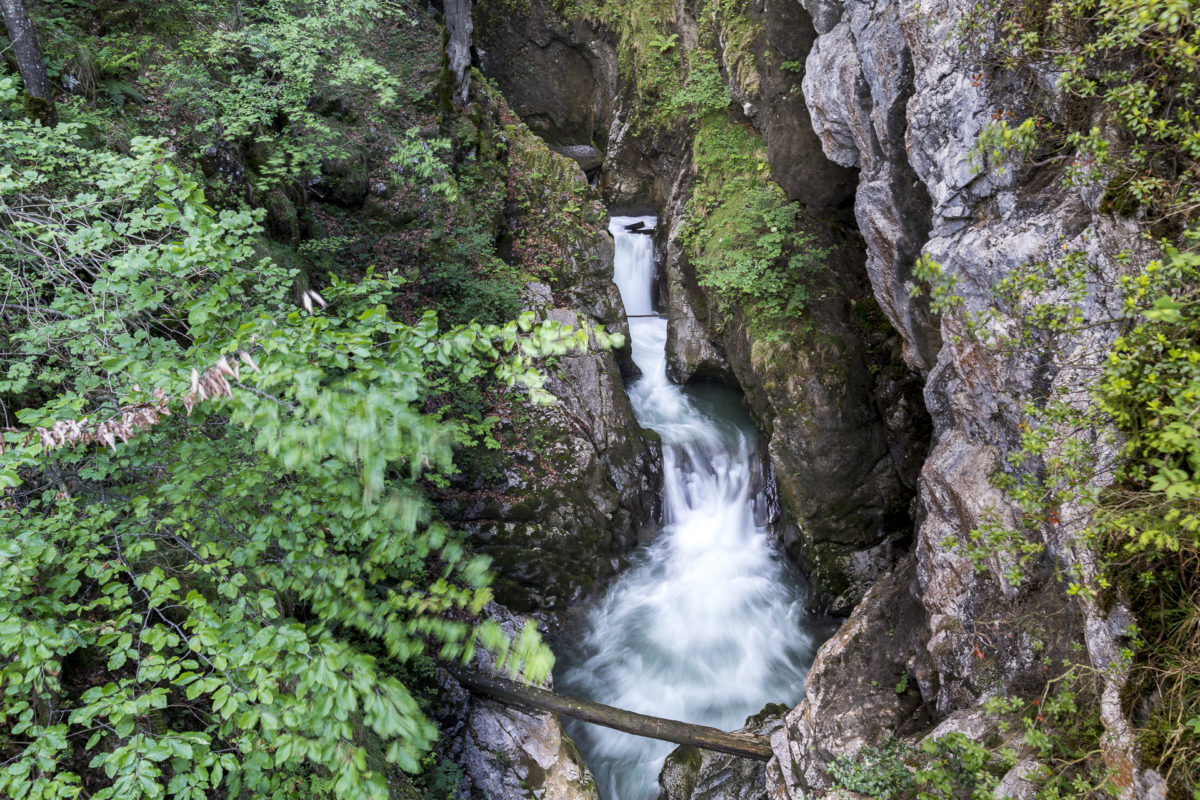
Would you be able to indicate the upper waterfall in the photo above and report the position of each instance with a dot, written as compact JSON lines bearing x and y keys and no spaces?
{"x":708,"y":625}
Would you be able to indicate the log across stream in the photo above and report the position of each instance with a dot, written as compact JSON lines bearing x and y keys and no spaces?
{"x":667,"y":730}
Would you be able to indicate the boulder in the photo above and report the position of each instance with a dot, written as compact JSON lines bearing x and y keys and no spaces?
{"x":693,"y":774}
{"x":870,"y":679}
{"x":509,"y":753}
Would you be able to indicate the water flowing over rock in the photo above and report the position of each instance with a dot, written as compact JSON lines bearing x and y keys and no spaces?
{"x":844,"y":446}
{"x":559,"y":514}
{"x":897,"y":109}
{"x":708,"y":624}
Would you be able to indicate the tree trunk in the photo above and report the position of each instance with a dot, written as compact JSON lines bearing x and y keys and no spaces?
{"x":737,"y":744}
{"x":39,"y":100}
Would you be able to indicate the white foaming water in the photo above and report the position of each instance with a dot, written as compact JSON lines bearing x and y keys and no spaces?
{"x":708,"y":625}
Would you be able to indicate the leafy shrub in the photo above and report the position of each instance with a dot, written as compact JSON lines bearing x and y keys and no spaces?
{"x":704,"y":91}
{"x":741,"y":232}
{"x":220,"y":555}
{"x":879,"y":772}
{"x":956,"y":768}
{"x":260,"y":82}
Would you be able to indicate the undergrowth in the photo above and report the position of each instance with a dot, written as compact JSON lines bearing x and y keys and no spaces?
{"x":742,"y":235}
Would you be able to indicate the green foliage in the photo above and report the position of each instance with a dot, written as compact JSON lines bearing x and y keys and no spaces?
{"x":741,"y":233}
{"x":417,"y":160}
{"x":1151,"y":521}
{"x":998,"y":142}
{"x":1136,"y":62}
{"x":664,"y":43}
{"x":222,"y":604}
{"x":957,"y":768}
{"x":879,"y":772}
{"x":736,"y":32}
{"x":1055,"y":731}
{"x":704,"y":91}
{"x":262,"y":82}
{"x":1151,"y":384}
{"x":942,"y":284}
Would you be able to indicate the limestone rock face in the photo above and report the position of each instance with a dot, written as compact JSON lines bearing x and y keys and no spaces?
{"x":888,"y":94}
{"x":857,"y":81}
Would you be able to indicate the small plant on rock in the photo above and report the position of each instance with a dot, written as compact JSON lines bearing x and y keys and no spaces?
{"x":881,"y":772}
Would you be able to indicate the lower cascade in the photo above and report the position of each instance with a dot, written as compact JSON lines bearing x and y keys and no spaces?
{"x":707,"y":626}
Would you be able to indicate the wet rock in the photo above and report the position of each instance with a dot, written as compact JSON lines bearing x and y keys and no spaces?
{"x":774,"y":99}
{"x":873,"y":677}
{"x":677,"y":780}
{"x":692,"y":349}
{"x":693,"y":774}
{"x":572,"y":506}
{"x":836,"y":475}
{"x":508,"y":753}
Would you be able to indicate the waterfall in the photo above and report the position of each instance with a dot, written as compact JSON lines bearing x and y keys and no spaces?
{"x":707,"y":626}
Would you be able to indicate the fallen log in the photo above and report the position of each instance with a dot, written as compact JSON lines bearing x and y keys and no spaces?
{"x":668,"y":730}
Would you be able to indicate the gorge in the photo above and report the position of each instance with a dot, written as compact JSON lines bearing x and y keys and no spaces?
{"x":823,"y":369}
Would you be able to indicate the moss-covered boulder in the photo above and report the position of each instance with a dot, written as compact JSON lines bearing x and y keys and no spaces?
{"x":345,"y":180}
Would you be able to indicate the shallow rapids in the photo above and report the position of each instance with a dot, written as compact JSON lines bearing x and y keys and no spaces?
{"x":708,"y":624}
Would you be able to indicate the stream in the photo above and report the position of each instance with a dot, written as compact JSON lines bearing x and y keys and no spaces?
{"x":708,"y":624}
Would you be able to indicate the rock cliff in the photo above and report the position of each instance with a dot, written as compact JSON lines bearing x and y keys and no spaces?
{"x":578,"y":477}
{"x":891,"y":113}
{"x":891,"y":94}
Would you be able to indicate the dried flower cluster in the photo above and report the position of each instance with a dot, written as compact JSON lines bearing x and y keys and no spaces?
{"x":309,"y":297}
{"x":213,"y":382}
